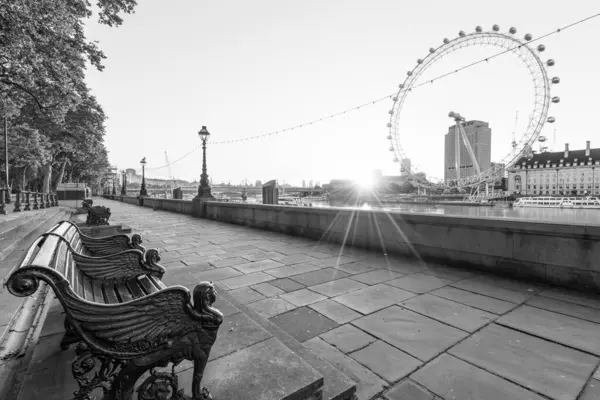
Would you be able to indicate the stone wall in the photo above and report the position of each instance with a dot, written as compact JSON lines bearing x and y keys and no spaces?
{"x":561,"y":254}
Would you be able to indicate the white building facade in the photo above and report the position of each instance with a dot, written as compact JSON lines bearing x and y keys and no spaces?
{"x":568,"y":173}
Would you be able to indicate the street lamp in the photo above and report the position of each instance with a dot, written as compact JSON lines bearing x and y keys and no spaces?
{"x":124,"y":184}
{"x":143,"y":191}
{"x":204,"y":188}
{"x":114,"y":178}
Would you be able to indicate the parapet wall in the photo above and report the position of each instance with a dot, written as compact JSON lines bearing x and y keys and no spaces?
{"x":561,"y":254}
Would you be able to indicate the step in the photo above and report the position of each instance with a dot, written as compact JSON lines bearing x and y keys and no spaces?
{"x":19,"y":230}
{"x":11,"y":222}
{"x":337,"y":385}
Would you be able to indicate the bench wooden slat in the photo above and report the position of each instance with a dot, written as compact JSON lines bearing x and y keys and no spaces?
{"x":88,"y":291}
{"x":109,"y":292}
{"x":72,"y":273}
{"x":135,"y":289}
{"x":80,"y":288}
{"x":157,"y":282}
{"x":146,"y":284}
{"x":98,"y":294}
{"x":123,"y":292}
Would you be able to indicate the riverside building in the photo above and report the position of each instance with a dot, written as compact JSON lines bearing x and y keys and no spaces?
{"x":567,"y":173}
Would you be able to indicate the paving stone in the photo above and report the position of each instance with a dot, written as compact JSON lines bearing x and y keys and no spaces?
{"x":286,"y":284}
{"x":228,"y":262}
{"x":452,"y":313}
{"x":347,"y":338}
{"x":320,"y":276}
{"x":354,"y":268}
{"x":446,"y":272}
{"x":374,"y":277}
{"x":419,"y":336}
{"x":485,"y":303}
{"x":246,"y":280}
{"x":386,"y":361}
{"x":572,"y":332}
{"x":237,"y":332}
{"x":318,"y":254}
{"x":225,"y":306}
{"x":334,"y":261}
{"x":419,"y":283}
{"x":270,"y":307}
{"x":302,"y":297}
{"x":256,"y":266}
{"x":216,"y":274}
{"x":294,"y":259}
{"x":335,"y":311}
{"x":563,"y":307}
{"x":597,"y":374}
{"x":337,"y":287}
{"x":373,"y":298}
{"x":367,"y":383}
{"x":199,"y":266}
{"x":179,"y":276}
{"x":291,"y":270}
{"x":473,"y":285}
{"x":572,"y":296}
{"x":408,"y":390}
{"x":258,"y":255}
{"x":545,"y":367}
{"x":511,"y":284}
{"x":246,"y":295}
{"x":452,"y":378}
{"x":592,"y":391}
{"x":303,"y":323}
{"x":268,"y":290}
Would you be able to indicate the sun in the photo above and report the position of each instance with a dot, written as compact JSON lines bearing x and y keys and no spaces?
{"x":365,"y":181}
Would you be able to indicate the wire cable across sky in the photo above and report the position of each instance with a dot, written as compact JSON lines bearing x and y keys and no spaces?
{"x":373,"y":102}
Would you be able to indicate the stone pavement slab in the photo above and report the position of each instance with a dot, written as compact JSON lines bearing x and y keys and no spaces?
{"x":302,"y":297}
{"x":286,"y":284}
{"x":335,"y":311}
{"x":347,"y":338}
{"x":548,"y":368}
{"x":270,"y":307}
{"x":419,"y":283}
{"x":386,"y":361}
{"x":417,"y":335}
{"x":268,"y":290}
{"x":291,"y":270}
{"x":303,"y":323}
{"x":592,"y":391}
{"x":320,"y":276}
{"x":373,"y":298}
{"x":337,"y":287}
{"x":408,"y":390}
{"x":452,"y":378}
{"x":563,"y":307}
{"x":489,"y":289}
{"x":482,"y":302}
{"x":572,"y":296}
{"x":376,"y":276}
{"x":572,"y":332}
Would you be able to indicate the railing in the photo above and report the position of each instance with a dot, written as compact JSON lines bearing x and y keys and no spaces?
{"x":28,"y":200}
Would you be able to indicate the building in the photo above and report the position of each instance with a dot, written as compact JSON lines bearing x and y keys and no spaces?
{"x":479,"y":136}
{"x":568,"y":172}
{"x":303,"y":183}
{"x":405,"y":167}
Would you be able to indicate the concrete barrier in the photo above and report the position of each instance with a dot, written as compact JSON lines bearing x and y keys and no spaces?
{"x":561,"y":254}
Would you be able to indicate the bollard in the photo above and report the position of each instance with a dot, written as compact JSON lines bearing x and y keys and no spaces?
{"x":42,"y":205}
{"x":2,"y":202}
{"x":27,"y":203}
{"x":35,"y":202}
{"x":18,"y":201}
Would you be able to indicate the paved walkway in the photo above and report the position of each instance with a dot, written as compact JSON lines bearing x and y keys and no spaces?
{"x":401,"y":329}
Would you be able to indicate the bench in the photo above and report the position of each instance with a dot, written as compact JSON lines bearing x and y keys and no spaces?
{"x":97,"y":215}
{"x":105,"y":245}
{"x":125,"y":321}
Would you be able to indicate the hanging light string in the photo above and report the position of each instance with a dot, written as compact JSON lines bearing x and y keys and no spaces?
{"x":389,"y":96}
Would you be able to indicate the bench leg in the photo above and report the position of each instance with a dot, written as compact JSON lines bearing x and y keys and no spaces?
{"x":85,"y":363}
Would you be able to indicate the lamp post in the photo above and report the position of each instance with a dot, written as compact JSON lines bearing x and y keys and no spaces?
{"x":7,"y":193}
{"x":204,"y":188}
{"x":114,"y":178}
{"x":143,"y":191}
{"x":124,"y":185}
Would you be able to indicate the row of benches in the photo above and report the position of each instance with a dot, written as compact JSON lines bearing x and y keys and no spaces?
{"x":120,"y":313}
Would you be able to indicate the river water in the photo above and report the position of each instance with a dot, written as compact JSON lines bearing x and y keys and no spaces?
{"x":572,"y":216}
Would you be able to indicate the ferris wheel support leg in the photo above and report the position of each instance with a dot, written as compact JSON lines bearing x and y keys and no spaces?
{"x":457,"y":151}
{"x":469,"y":148}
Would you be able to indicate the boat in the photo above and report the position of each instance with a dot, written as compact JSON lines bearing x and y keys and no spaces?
{"x":558,"y":202}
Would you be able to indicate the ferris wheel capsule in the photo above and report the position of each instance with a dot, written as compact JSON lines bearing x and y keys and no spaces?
{"x":542,"y":139}
{"x":478,"y":29}
{"x":401,"y":86}
{"x":528,"y":37}
{"x":512,"y":30}
{"x":409,"y":73}
{"x":556,"y":99}
{"x":389,"y":125}
{"x":556,"y":80}
{"x":391,"y":149}
{"x":461,"y":33}
{"x":395,"y":159}
{"x":446,"y":40}
{"x":432,"y":50}
{"x":551,"y":120}
{"x":550,"y":63}
{"x":541,"y":47}
{"x":395,"y":98}
{"x":419,"y":61}
{"x":389,"y":137}
{"x":496,"y":28}
{"x":391,"y":112}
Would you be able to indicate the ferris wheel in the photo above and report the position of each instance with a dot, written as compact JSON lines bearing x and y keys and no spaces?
{"x":521,"y":146}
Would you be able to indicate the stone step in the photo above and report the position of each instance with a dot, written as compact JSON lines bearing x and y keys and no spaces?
{"x":12,"y":222}
{"x":22,"y":229}
{"x":337,"y":385}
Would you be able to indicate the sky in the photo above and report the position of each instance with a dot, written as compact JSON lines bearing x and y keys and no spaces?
{"x":246,"y":68}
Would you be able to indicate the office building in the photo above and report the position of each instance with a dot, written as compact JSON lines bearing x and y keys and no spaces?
{"x":479,"y":136}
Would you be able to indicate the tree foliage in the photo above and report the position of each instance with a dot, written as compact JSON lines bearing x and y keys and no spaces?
{"x":43,"y":94}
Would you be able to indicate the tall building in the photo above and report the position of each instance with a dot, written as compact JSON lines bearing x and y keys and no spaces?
{"x":303,"y":183}
{"x":568,"y":172}
{"x":310,"y":183}
{"x":479,"y":136}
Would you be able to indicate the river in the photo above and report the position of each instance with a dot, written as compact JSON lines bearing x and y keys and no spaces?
{"x":572,"y":216}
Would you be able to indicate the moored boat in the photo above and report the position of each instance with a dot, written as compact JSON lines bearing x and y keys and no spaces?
{"x":558,"y":202}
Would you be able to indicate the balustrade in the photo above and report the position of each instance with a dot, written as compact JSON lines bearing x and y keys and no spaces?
{"x":2,"y":202}
{"x":35,"y":201}
{"x":27,"y":203}
{"x":42,"y":204}
{"x":48,"y":205}
{"x":18,"y":201}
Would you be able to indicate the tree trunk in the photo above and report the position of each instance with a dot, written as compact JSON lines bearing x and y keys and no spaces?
{"x":60,"y":175}
{"x":23,"y":186}
{"x":46,"y":177}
